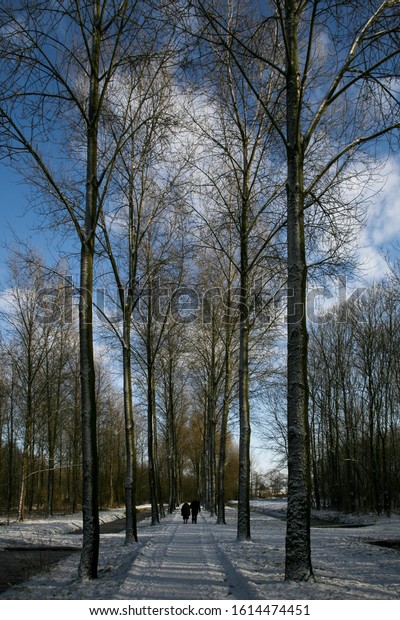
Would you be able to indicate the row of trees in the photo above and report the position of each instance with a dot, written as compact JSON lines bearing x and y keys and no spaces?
{"x":222,"y":143}
{"x":328,"y":66}
{"x":40,"y":439}
{"x":354,"y":395}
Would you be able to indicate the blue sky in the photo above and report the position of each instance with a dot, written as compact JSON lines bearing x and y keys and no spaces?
{"x":20,"y":222}
{"x":382,"y":231}
{"x":13,"y":204}
{"x":13,"y":213}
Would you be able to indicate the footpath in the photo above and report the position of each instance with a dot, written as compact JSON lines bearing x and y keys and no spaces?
{"x":185,"y":562}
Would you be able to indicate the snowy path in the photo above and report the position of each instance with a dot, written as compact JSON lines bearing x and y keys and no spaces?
{"x":173,"y":561}
{"x":185,"y":562}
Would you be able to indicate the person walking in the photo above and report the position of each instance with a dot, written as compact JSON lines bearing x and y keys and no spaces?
{"x":185,"y":512}
{"x":195,"y":508}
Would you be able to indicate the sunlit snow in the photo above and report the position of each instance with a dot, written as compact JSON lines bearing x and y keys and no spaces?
{"x":204,"y":561}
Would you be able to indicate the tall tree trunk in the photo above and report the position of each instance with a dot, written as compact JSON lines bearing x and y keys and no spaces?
{"x":76,"y":448}
{"x":298,"y":548}
{"x":131,"y":483}
{"x":130,"y":476}
{"x":171,"y":442}
{"x":91,"y":532}
{"x":28,"y":434}
{"x":224,"y":419}
{"x":52,"y":420}
{"x":24,"y":478}
{"x":205,"y":463}
{"x":50,"y":476}
{"x":314,"y":460}
{"x":10,"y":437}
{"x":243,"y":525}
{"x":155,"y":518}
{"x":211,"y":455}
{"x":211,"y":415}
{"x":159,"y":493}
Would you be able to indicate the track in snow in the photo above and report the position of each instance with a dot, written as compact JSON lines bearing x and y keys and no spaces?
{"x":184,"y":562}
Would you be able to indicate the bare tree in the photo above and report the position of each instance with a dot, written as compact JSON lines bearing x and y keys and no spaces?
{"x":58,"y":66}
{"x":161,"y":271}
{"x":354,"y":390}
{"x":145,"y":121}
{"x":28,"y":354}
{"x":246,"y":216}
{"x":343,"y":100}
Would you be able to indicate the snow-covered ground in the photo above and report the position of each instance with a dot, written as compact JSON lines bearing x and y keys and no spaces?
{"x":204,"y":561}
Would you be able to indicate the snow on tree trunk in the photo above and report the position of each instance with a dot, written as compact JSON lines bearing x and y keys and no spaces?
{"x":91,"y":530}
{"x":298,"y":550}
{"x":90,"y":547}
{"x":130,"y":475}
{"x":243,"y":525}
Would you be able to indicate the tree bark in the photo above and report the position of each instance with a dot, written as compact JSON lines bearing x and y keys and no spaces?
{"x":211,"y":415}
{"x":243,"y":525}
{"x":171,"y":439}
{"x":298,"y":548}
{"x":91,"y":532}
{"x":28,"y":438}
{"x":155,"y":518}
{"x":130,"y":475}
{"x":224,"y":420}
{"x":10,"y":437}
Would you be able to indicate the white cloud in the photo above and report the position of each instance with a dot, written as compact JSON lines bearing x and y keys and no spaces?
{"x":383,"y":220}
{"x":372,"y":262}
{"x":7,"y":301}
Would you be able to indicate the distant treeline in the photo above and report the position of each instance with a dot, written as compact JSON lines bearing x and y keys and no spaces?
{"x":355,"y":403}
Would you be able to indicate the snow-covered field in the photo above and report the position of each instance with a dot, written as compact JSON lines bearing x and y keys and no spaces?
{"x":204,"y":561}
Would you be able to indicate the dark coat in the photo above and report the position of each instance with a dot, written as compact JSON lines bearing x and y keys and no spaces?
{"x":185,"y":511}
{"x":195,"y":507}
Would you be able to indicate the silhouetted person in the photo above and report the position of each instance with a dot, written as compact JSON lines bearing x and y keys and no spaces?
{"x":185,"y":512}
{"x":195,"y":508}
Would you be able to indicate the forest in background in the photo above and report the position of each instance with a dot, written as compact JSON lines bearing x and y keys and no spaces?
{"x":207,"y":164}
{"x":40,"y":408}
{"x":354,"y":405}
